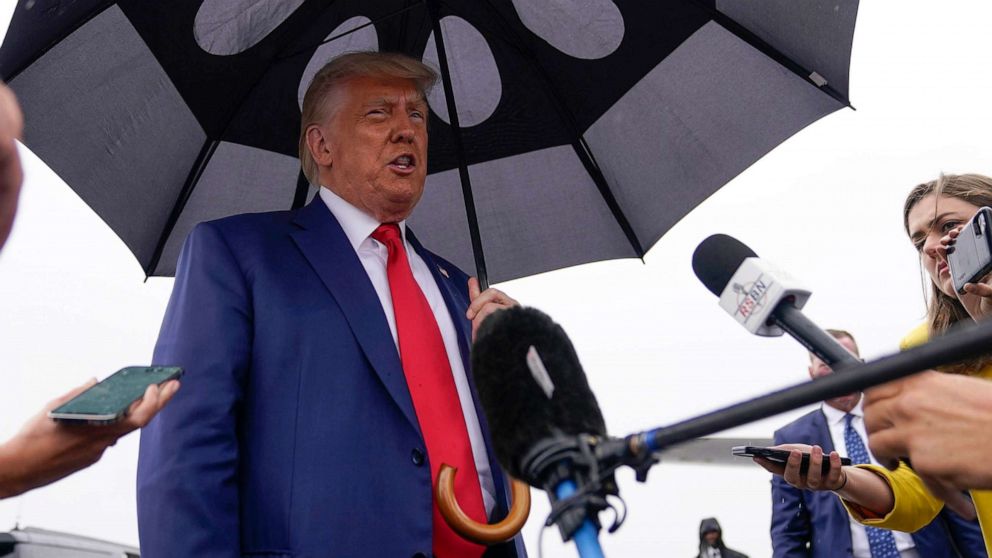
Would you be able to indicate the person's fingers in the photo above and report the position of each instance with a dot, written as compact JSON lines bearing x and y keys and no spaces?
{"x":888,"y":445}
{"x":791,"y":473}
{"x":833,"y":476}
{"x":489,"y":296}
{"x":952,"y":496}
{"x":814,"y":474}
{"x":473,"y":288}
{"x":979,"y":289}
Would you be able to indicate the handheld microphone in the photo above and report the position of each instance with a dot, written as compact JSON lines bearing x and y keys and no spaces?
{"x":544,"y":419}
{"x":762,"y":298}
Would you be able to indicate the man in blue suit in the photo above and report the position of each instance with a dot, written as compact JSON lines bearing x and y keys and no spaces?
{"x":302,"y":431}
{"x":814,"y":523}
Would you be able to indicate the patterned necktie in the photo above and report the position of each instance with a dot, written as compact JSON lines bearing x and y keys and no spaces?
{"x":880,"y":541}
{"x":432,"y":389}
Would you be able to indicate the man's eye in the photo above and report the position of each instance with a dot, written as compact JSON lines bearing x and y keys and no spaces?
{"x":417,"y":114}
{"x":376,"y":112}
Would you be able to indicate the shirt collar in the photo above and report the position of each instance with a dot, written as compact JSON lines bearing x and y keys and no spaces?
{"x":835,"y":416}
{"x":357,"y":225}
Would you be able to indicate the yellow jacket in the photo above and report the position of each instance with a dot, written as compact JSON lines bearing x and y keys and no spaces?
{"x":914,"y":506}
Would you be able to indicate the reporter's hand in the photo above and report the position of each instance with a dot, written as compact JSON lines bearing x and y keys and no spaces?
{"x":940,"y":422}
{"x":485,"y":303}
{"x":977,"y":298}
{"x":814,"y":478}
{"x":45,"y":451}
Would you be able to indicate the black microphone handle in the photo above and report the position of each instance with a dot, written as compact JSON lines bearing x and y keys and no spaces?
{"x":955,"y":347}
{"x":819,"y":342}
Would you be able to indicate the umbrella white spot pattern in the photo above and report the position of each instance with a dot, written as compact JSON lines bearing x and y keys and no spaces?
{"x":364,"y":39}
{"x":475,"y":78}
{"x":225,"y":27}
{"x":588,"y":29}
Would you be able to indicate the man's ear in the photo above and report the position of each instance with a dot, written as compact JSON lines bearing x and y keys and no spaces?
{"x":320,"y":150}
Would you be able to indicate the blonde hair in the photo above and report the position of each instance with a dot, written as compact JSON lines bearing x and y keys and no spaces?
{"x":944,"y":311}
{"x":317,"y":109}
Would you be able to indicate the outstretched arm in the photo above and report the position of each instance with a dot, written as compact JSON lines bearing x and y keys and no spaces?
{"x":44,"y":451}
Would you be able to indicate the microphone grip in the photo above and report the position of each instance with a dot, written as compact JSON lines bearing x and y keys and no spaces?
{"x":587,"y":536}
{"x":817,"y":341}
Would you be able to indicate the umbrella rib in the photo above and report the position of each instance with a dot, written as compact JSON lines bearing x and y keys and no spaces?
{"x":768,"y":50}
{"x":466,"y":182}
{"x":194,"y":176}
{"x":578,"y":143}
{"x":350,"y":31}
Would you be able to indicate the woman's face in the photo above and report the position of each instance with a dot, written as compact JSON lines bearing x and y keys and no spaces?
{"x":928,"y":221}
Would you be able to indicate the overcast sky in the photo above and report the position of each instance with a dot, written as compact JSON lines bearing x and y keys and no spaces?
{"x":825,"y":206}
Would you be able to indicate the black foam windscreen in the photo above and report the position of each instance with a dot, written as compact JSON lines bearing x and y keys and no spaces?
{"x":717,"y":258}
{"x":517,"y":407}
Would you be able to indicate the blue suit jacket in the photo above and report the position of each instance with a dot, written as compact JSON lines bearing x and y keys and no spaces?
{"x":818,"y":518}
{"x":294,"y":434}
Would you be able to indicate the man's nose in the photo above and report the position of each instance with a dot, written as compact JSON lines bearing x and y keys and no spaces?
{"x":404,"y":131}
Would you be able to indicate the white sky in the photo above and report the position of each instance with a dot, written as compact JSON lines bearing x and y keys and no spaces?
{"x":825,"y":206}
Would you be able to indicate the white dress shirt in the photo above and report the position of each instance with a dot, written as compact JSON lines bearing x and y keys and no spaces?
{"x":859,"y":539}
{"x":358,"y":226}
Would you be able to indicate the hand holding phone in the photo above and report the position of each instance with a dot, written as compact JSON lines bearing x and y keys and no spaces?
{"x":109,"y":400}
{"x":969,"y":258}
{"x":781,"y":456}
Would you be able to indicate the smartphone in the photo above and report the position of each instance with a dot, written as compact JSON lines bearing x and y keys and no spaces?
{"x":781,"y":456}
{"x":971,"y":257}
{"x":108,"y":401}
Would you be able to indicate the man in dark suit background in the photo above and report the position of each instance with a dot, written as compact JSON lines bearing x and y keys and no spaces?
{"x":326,"y":356}
{"x":815,"y":524}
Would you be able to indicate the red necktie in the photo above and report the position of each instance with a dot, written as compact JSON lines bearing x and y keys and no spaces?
{"x":432,"y":389}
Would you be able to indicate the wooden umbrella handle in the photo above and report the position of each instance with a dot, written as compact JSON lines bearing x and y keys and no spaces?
{"x":468,"y":528}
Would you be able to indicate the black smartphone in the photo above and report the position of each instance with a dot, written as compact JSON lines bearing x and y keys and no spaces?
{"x":108,"y":401}
{"x":781,"y":456}
{"x":971,"y":257}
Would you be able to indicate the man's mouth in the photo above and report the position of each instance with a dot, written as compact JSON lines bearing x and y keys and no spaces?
{"x":942,"y":268}
{"x":405,"y":162}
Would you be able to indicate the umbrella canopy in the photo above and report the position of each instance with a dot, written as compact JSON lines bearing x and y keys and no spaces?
{"x":564,"y":131}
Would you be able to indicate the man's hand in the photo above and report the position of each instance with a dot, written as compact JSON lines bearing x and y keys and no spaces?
{"x":941,"y":423}
{"x":44,"y":450}
{"x":485,"y":303}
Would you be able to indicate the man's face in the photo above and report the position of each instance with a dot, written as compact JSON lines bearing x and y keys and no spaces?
{"x":711,"y":537}
{"x":818,"y":369}
{"x":376,"y":142}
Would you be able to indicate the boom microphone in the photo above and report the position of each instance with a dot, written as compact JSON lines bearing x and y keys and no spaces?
{"x":544,"y":419}
{"x":762,"y":298}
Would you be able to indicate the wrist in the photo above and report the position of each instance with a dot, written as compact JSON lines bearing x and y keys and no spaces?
{"x":843,"y":481}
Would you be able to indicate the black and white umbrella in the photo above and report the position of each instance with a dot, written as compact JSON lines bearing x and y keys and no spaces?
{"x":564,"y":131}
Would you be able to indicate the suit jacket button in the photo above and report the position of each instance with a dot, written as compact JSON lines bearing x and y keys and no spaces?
{"x":417,"y":456}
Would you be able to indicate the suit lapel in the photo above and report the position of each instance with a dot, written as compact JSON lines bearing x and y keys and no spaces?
{"x":326,"y":247}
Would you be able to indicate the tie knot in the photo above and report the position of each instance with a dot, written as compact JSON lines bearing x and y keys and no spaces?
{"x":386,"y":233}
{"x":847,"y":419}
